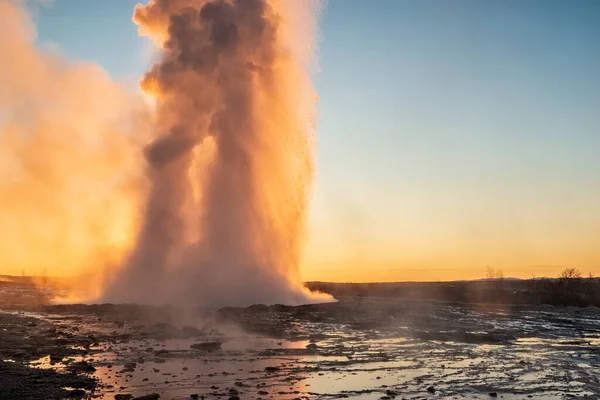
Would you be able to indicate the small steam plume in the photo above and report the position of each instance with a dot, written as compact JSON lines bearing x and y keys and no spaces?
{"x":71,"y":172}
{"x":231,"y":164}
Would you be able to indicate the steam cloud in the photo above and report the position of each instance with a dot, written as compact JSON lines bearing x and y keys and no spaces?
{"x":230,"y":166}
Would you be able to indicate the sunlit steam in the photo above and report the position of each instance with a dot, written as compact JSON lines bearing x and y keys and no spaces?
{"x":231,"y":162}
{"x":71,"y":171}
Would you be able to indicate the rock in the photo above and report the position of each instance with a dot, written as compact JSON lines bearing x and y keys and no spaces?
{"x":431,"y":389}
{"x":311,"y":346}
{"x":55,"y":358}
{"x":77,"y":393}
{"x":206,"y":346}
{"x":129,"y":367}
{"x":153,"y":396}
{"x":272,"y":369}
{"x":81,"y":366}
{"x":493,"y":394}
{"x":123,"y":396}
{"x":263,"y":393}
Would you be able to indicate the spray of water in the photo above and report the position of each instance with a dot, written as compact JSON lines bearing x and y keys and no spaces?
{"x":230,"y":166}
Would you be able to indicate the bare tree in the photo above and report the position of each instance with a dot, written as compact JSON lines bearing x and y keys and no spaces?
{"x":570,"y":273}
{"x":494,"y":274}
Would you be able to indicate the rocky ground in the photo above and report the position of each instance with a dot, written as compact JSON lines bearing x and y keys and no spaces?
{"x":359,"y":349}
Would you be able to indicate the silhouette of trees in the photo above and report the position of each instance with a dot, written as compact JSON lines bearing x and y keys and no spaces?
{"x":571,"y":289}
{"x":494,"y":274}
{"x":570,"y":273}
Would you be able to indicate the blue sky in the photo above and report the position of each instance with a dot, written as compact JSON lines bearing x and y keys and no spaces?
{"x":453,"y":134}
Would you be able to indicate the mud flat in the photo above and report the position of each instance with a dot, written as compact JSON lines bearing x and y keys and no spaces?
{"x":359,"y":349}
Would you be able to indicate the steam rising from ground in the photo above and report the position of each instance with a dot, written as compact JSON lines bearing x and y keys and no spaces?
{"x":71,"y":171}
{"x":231,"y":162}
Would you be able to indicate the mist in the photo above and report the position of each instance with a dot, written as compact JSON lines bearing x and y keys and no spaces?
{"x":71,"y":165}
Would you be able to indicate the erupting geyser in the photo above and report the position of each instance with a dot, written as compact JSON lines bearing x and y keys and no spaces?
{"x":230,"y":166}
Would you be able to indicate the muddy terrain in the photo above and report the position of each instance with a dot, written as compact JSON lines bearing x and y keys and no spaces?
{"x":357,"y":348}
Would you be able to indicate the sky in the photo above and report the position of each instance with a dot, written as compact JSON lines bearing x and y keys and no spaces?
{"x":452,"y":135}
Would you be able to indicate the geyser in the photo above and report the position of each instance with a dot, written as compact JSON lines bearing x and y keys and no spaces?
{"x":230,"y":166}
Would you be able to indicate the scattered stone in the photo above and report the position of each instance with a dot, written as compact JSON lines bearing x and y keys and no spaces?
{"x":123,"y":396}
{"x":493,"y":394}
{"x":431,"y":389}
{"x":81,"y":366}
{"x":153,"y":396}
{"x":206,"y":346}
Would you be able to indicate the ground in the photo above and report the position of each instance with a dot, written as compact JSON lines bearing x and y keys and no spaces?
{"x":365,"y":348}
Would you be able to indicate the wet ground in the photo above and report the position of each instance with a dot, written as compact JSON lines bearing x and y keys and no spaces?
{"x":368,"y":349}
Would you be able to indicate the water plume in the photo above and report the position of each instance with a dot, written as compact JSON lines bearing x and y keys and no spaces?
{"x":71,"y":169}
{"x":231,"y":163}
